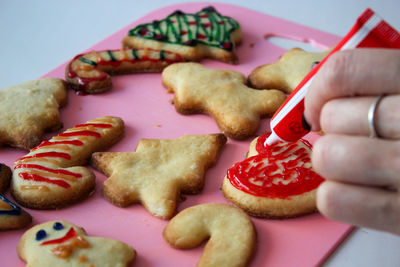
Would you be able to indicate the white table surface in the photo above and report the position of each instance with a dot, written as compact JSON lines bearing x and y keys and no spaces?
{"x":44,"y":34}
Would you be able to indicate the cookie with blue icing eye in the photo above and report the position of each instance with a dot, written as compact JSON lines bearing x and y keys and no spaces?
{"x":5,"y":177}
{"x":60,"y":243}
{"x":12,"y":216}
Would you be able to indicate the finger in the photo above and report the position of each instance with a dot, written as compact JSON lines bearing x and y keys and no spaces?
{"x":350,"y":116}
{"x":362,"y":206}
{"x":358,"y":160}
{"x":357,"y":72}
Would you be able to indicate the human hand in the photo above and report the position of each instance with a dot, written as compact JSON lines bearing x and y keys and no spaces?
{"x":362,"y":174}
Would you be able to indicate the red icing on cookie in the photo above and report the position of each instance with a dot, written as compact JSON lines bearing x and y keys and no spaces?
{"x":254,"y":177}
{"x":70,"y":234}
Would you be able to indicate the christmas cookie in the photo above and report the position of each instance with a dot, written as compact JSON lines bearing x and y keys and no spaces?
{"x":60,"y":243}
{"x":288,"y":72}
{"x":205,"y":34}
{"x":91,"y":72}
{"x":5,"y":177}
{"x":158,"y":171}
{"x":231,"y":234}
{"x":222,"y":94}
{"x":51,"y":175}
{"x":11,"y":216}
{"x":28,"y":110}
{"x":276,"y":181}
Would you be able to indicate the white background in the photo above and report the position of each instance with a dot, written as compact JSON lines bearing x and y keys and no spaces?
{"x":37,"y":36}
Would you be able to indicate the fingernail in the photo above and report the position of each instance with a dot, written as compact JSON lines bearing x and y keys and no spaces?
{"x":306,"y":125}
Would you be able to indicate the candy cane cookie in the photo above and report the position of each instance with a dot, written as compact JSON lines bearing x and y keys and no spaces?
{"x":91,"y":72}
{"x":231,"y":234}
{"x":205,"y":34}
{"x":50,"y":176}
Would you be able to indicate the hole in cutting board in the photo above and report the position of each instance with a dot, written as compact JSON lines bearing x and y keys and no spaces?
{"x":289,"y":41}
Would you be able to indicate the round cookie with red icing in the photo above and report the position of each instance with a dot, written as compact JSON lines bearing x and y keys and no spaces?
{"x":275,"y":182}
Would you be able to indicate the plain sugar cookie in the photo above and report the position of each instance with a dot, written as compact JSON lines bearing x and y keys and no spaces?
{"x":231,"y":234}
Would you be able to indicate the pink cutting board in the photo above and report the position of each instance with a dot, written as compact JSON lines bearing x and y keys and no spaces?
{"x":142,"y":102}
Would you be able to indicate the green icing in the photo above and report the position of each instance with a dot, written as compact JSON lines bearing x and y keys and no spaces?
{"x":205,"y":27}
{"x":88,"y":61}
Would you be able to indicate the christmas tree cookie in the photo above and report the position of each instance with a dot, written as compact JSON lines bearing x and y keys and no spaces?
{"x":205,"y":34}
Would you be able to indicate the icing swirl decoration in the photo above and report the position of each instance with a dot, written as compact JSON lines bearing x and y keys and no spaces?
{"x":279,"y":171}
{"x":90,"y":72}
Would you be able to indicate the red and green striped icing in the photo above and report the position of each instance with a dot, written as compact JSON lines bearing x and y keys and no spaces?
{"x":206,"y":27}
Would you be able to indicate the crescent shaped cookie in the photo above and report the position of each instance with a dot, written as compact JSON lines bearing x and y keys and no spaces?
{"x":205,"y":34}
{"x":274,"y":182}
{"x":29,"y":109}
{"x":60,"y":243}
{"x":231,"y":234}
{"x":158,"y":171}
{"x":286,"y":73}
{"x":51,"y":175}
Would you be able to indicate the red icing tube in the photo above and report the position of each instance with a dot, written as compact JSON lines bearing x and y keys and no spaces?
{"x":370,"y":30}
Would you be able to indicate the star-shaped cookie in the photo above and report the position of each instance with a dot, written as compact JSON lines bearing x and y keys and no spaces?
{"x":158,"y":171}
{"x":222,"y":94}
{"x":286,"y":73}
{"x":29,"y":109}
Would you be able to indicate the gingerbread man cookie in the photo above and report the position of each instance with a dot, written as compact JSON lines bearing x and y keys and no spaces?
{"x":205,"y":34}
{"x":29,"y":109}
{"x":51,"y":175}
{"x":232,"y":236}
{"x":276,"y":181}
{"x":91,"y":72}
{"x":158,"y":171}
{"x":288,"y":72}
{"x":223,"y":95}
{"x":60,"y":243}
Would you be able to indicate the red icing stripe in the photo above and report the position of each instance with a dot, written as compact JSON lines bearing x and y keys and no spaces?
{"x":40,"y":167}
{"x":48,"y":154}
{"x":97,"y":125}
{"x":85,"y":133}
{"x":38,"y":178}
{"x":70,"y":234}
{"x":66,"y":142}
